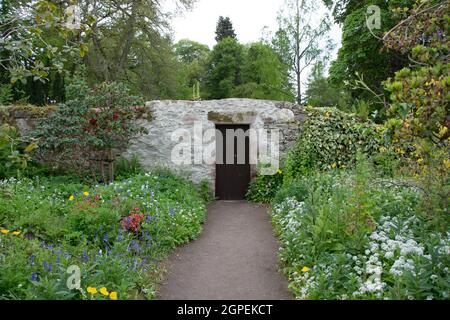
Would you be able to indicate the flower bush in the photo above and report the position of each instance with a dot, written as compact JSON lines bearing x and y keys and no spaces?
{"x":50,"y":225}
{"x":354,"y":235}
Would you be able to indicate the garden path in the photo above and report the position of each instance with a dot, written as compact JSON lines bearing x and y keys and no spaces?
{"x":235,"y":258}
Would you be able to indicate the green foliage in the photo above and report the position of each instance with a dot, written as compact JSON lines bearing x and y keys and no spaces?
{"x":302,"y":39}
{"x":6,"y":96}
{"x":224,"y":29}
{"x":420,"y":95}
{"x":14,"y":152}
{"x":361,"y":52}
{"x":321,"y":93}
{"x":264,"y":188}
{"x":224,"y":69}
{"x":205,"y":191}
{"x":64,"y":223}
{"x":331,"y":139}
{"x":346,"y":235}
{"x":83,"y":132}
{"x":127,"y":168}
{"x":263,"y":75}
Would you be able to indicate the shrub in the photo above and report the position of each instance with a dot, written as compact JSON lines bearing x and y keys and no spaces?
{"x":331,"y":139}
{"x":83,"y":134}
{"x":264,"y":187}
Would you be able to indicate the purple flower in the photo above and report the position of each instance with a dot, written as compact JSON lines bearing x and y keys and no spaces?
{"x":136,"y":247}
{"x":106,"y":237}
{"x":85,"y":256}
{"x":47,"y":266}
{"x":34,"y":276}
{"x":32,"y":258}
{"x":171,"y":212}
{"x":58,"y":261}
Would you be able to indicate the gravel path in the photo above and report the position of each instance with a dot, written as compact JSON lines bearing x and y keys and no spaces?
{"x":235,"y":258}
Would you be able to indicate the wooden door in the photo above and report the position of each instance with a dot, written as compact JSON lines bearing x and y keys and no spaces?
{"x":232,"y":161}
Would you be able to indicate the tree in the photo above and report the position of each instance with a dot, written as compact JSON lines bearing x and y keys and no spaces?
{"x":362,"y":54}
{"x":320,"y":93}
{"x":224,"y":69}
{"x":264,"y":76}
{"x":38,"y":47}
{"x":193,"y":58}
{"x":130,"y":43}
{"x":224,"y":29}
{"x":298,"y":40}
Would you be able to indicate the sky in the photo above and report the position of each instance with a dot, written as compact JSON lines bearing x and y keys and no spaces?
{"x":249,"y":17}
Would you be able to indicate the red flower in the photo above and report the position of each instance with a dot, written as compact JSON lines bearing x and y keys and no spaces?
{"x":93,"y":122}
{"x":115,"y":116}
{"x":133,"y":221}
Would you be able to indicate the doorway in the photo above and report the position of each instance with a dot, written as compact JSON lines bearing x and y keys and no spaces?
{"x":232,"y":161}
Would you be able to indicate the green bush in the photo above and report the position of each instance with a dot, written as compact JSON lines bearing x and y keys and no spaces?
{"x":331,"y":139}
{"x":62,"y":223}
{"x":264,"y":187}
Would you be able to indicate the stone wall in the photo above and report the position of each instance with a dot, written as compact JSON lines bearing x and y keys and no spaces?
{"x":155,"y":148}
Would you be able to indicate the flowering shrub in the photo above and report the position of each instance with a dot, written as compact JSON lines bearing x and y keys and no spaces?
{"x":347,"y":236}
{"x":48,"y":226}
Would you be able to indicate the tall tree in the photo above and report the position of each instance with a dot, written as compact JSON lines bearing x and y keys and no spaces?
{"x":320,"y":93}
{"x":299,"y":41}
{"x":362,"y":54}
{"x":130,"y":42}
{"x":224,"y":29}
{"x":264,"y":76}
{"x":224,"y":68}
{"x":193,"y":58}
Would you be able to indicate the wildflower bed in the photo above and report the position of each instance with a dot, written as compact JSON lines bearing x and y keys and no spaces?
{"x":115,"y":234}
{"x":350,"y":236}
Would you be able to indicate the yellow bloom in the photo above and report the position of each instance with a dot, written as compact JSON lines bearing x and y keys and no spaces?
{"x":86,"y":193}
{"x":113,"y":295}
{"x":334,"y":165}
{"x":305,"y":269}
{"x":16,"y":233}
{"x":104,"y":291}
{"x":420,"y":161}
{"x":447,"y":163}
{"x":91,"y":290}
{"x":279,"y":171}
{"x":4,"y":231}
{"x":71,"y":198}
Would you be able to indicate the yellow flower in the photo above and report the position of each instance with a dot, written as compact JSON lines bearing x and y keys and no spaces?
{"x":334,"y":165}
{"x":104,"y":291}
{"x":16,"y":233}
{"x":86,"y":193}
{"x":420,"y":161}
{"x":91,"y":290}
{"x":383,"y":150}
{"x":113,"y":295}
{"x":4,"y":231}
{"x":447,"y":163}
{"x":71,"y":198}
{"x":279,"y":171}
{"x":305,"y":269}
